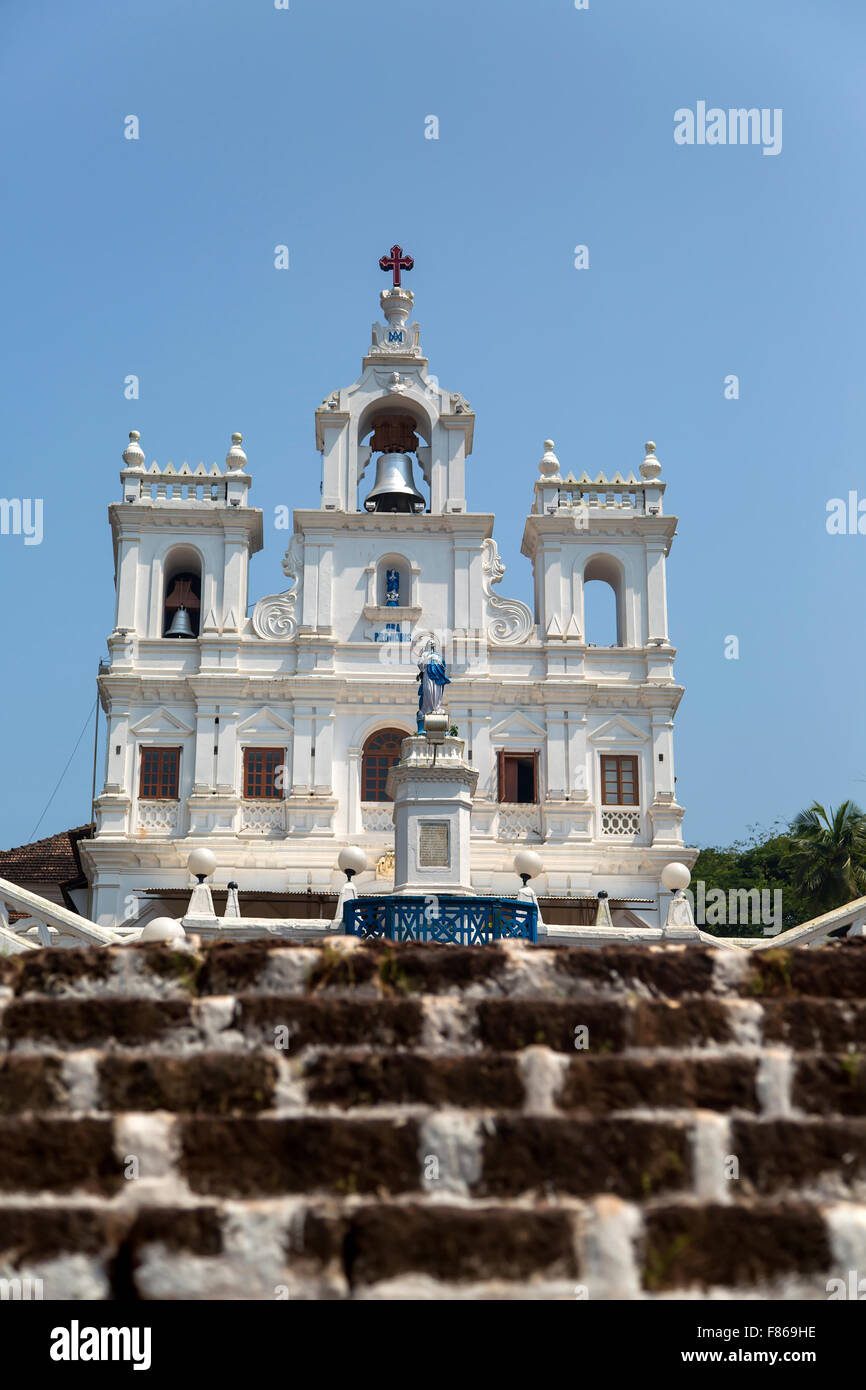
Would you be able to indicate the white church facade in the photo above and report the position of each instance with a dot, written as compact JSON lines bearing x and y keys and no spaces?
{"x":265,"y":732}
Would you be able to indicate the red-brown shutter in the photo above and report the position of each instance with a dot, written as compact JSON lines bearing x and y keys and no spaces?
{"x":500,"y":770}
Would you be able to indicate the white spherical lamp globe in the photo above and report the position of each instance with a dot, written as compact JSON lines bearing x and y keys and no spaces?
{"x":526,"y":861}
{"x":352,"y":860}
{"x":202,"y":863}
{"x":162,"y":929}
{"x":676,"y":876}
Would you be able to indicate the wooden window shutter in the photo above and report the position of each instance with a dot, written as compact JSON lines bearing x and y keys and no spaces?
{"x":500,"y":768}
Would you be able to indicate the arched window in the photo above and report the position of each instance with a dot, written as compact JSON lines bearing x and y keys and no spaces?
{"x":381,"y":752}
{"x":603,"y":623}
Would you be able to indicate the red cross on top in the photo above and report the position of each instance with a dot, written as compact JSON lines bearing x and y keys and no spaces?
{"x":396,"y":262}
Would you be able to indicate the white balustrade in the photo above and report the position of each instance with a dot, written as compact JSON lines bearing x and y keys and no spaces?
{"x":158,"y":817}
{"x":377,"y":816}
{"x":519,"y":822}
{"x":266,"y":818}
{"x":621,"y":821}
{"x":626,"y":496}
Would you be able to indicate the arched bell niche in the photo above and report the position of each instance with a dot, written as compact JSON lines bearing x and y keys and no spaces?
{"x":604,"y":602}
{"x":393,"y":477}
{"x":181,"y":611}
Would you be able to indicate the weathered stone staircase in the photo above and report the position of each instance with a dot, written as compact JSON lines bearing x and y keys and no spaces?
{"x":262,"y":1120}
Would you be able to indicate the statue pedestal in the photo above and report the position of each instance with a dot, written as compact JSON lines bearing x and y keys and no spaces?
{"x":432,"y":793}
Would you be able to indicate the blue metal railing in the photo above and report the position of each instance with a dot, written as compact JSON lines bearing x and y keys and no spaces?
{"x":462,"y":921}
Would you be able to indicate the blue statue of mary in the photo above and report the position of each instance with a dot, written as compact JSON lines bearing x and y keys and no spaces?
{"x":432,"y":679}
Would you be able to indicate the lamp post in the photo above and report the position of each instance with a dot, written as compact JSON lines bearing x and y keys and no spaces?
{"x":352,"y":860}
{"x":679,"y":923}
{"x":528,"y":865}
{"x":201,"y":864}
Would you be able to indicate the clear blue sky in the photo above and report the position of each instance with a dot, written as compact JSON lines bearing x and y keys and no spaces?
{"x":306,"y":127}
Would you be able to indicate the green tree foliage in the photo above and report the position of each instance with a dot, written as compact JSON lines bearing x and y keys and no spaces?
{"x":818,"y":862}
{"x":758,"y":861}
{"x":827,"y":858}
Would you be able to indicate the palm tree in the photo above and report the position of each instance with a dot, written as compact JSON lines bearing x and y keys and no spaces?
{"x":827,"y":857}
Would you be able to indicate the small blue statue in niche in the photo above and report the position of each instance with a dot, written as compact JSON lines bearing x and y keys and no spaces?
{"x":433,"y":679}
{"x":392,"y":588}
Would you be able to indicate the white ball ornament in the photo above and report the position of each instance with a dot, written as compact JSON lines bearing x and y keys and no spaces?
{"x":352,"y":860}
{"x":676,"y":876}
{"x":162,"y":929}
{"x":202,"y":863}
{"x":526,"y":861}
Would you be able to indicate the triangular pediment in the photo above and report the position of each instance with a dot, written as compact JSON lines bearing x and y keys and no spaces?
{"x":264,"y":721}
{"x":618,"y":730}
{"x":514,"y":727}
{"x":161,"y":721}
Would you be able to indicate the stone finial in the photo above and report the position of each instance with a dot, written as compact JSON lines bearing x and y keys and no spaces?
{"x":133,"y":454}
{"x":602,"y":912}
{"x":396,"y":306}
{"x":549,"y":465}
{"x":236,"y":459}
{"x":650,"y":468}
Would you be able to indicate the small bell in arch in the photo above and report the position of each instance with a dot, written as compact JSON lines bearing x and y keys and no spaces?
{"x":181,"y":624}
{"x":183,"y":606}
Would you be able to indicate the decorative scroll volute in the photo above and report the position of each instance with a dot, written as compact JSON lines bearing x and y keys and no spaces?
{"x":274,"y":617}
{"x":511,"y":621}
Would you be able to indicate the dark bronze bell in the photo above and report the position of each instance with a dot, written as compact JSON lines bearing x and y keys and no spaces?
{"x":394,"y":489}
{"x":181,"y":625}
